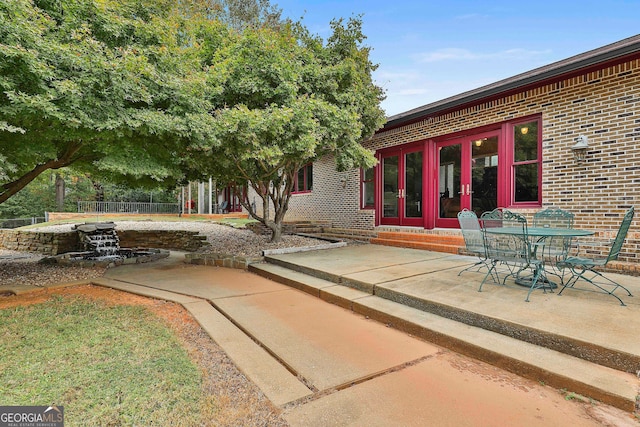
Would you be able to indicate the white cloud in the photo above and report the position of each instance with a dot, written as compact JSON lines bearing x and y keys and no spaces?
{"x":456,"y":54}
{"x":409,"y":88}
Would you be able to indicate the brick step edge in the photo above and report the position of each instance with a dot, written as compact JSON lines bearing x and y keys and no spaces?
{"x":427,"y":246}
{"x":422,"y":237}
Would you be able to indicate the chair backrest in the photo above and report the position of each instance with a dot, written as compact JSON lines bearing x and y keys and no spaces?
{"x":492,"y":218}
{"x":616,"y":247}
{"x":513,"y":219}
{"x":471,"y":232}
{"x":553,"y":217}
{"x":513,"y":247}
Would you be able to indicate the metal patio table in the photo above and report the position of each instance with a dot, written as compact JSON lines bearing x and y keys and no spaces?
{"x":540,"y":234}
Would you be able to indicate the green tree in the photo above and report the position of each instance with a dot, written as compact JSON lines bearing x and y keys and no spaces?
{"x":287,"y":98}
{"x":38,"y":196}
{"x":114,"y":88}
{"x":237,"y":14}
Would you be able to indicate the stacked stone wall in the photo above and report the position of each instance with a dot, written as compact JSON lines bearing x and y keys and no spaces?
{"x":59,"y":243}
{"x":43,"y":243}
{"x":180,"y":240}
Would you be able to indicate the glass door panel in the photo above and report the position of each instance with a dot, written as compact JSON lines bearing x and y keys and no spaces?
{"x":449,"y":180}
{"x":413,"y":185}
{"x":390,"y":186}
{"x":484,"y":174}
{"x":467,"y":177}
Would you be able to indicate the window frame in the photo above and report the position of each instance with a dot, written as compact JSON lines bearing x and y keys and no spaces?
{"x":510,"y":164}
{"x":307,"y":170}
{"x":363,"y":182}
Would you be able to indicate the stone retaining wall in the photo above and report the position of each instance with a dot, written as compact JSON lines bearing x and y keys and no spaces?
{"x":180,"y":240}
{"x":43,"y":243}
{"x":58,"y":243}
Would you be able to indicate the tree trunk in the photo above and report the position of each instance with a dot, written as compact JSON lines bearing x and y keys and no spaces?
{"x":60,"y":188}
{"x":276,"y":231}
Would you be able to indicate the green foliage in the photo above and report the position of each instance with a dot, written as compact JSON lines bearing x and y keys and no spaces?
{"x":114,"y":88}
{"x":39,"y":196}
{"x":141,"y":92}
{"x":237,"y":14}
{"x":286,"y":98}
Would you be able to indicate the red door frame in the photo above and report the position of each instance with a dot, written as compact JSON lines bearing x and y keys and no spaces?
{"x":465,"y":173}
{"x":401,"y":151}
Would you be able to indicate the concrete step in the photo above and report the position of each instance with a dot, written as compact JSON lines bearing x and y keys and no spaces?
{"x":599,"y":354}
{"x":426,"y":241}
{"x":426,"y":246}
{"x":526,"y":359}
{"x":422,"y":237}
{"x":344,"y":237}
{"x":349,"y":233}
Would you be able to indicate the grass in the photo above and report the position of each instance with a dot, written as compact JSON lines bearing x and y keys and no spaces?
{"x":107,"y":365}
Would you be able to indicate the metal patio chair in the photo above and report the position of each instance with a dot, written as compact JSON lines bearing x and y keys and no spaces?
{"x":583,"y":268}
{"x":473,"y":240}
{"x":509,"y":244}
{"x":552,"y":249}
{"x":553,"y":217}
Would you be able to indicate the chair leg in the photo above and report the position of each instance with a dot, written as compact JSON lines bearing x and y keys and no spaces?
{"x":580,"y":274}
{"x":478,"y":264}
{"x":491,"y":272}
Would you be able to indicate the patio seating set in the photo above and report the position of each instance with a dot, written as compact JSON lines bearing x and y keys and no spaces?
{"x":550,"y":253}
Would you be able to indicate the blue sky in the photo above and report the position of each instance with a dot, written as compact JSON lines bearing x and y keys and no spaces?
{"x":428,"y":50}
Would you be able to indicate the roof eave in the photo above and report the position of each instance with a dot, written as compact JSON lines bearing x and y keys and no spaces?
{"x":595,"y":59}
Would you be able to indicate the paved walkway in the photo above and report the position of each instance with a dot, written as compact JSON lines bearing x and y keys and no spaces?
{"x":325,"y":365}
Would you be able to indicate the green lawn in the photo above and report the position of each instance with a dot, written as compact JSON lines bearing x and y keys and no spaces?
{"x":107,"y":365}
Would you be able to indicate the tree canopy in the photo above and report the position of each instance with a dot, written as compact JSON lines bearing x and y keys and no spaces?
{"x":111,"y":87}
{"x":287,"y":98}
{"x":160,"y":91}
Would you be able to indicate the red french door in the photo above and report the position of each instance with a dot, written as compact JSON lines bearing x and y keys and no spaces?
{"x":402,"y":187}
{"x":467,"y":176}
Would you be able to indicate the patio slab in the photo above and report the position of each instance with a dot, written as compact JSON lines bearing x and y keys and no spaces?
{"x":325,"y":344}
{"x":439,"y":392}
{"x":196,"y":280}
{"x":584,"y":324}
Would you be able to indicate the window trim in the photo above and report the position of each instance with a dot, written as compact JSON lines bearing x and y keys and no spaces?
{"x":511,"y":163}
{"x":306,"y":180}
{"x":363,"y":182}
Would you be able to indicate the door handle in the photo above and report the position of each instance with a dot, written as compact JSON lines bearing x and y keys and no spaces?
{"x":468,"y":189}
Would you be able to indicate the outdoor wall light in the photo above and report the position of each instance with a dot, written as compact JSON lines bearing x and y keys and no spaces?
{"x":580,"y":149}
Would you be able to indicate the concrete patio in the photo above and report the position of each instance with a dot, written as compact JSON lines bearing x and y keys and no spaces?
{"x":582,"y":341}
{"x":294,"y":349}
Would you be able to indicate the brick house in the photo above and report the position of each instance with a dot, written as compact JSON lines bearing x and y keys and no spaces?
{"x":507,"y":144}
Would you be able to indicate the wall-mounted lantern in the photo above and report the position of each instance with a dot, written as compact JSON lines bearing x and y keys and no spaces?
{"x":580,"y":148}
